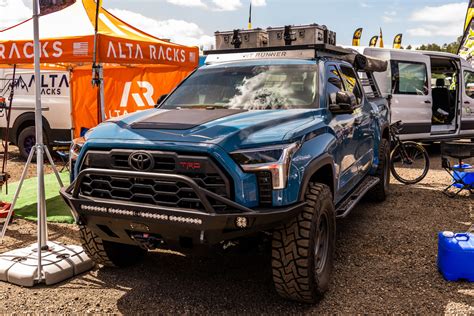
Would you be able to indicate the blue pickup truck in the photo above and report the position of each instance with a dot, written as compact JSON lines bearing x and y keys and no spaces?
{"x":276,"y":142}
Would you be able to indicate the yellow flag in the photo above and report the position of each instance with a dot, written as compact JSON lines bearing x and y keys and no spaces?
{"x":466,"y":49}
{"x":373,"y":41}
{"x":357,"y":36}
{"x":381,"y":39}
{"x":397,"y":41}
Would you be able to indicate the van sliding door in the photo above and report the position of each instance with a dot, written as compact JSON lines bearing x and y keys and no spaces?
{"x":412,"y":101}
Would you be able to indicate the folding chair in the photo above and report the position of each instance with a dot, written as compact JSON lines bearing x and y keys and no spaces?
{"x":462,"y":174}
{"x":61,"y":148}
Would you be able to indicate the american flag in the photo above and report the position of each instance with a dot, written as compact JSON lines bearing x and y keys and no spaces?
{"x":80,"y":48}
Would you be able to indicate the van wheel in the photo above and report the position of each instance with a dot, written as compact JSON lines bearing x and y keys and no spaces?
{"x":27,"y":140}
{"x":303,"y":249}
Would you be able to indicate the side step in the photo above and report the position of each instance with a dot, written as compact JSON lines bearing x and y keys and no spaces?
{"x":345,"y":206}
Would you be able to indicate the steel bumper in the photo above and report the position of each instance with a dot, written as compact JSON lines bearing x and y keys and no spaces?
{"x":203,"y":226}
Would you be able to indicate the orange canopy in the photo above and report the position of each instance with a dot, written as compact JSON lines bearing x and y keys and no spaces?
{"x":138,"y":67}
{"x":67,"y":39}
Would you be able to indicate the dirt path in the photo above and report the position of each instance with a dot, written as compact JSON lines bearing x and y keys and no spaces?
{"x":385,"y":263}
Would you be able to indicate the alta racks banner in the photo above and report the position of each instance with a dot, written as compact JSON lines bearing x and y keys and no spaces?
{"x":112,"y":50}
{"x":126,"y":90}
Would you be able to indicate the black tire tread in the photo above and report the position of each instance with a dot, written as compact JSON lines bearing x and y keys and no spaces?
{"x":378,"y":193}
{"x":292,"y":273}
{"x":94,"y":247}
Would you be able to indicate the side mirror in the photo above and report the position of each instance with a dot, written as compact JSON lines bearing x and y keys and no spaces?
{"x":161,"y":99}
{"x":346,"y":103}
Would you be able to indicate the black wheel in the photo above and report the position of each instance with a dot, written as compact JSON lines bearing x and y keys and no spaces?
{"x":409,"y":162}
{"x":27,"y":140}
{"x":109,"y":254}
{"x":303,"y":249}
{"x":380,"y":191}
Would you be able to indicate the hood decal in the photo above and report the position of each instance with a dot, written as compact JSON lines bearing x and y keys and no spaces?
{"x":182,"y":119}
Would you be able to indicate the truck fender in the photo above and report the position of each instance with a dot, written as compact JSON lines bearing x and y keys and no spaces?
{"x":313,"y":167}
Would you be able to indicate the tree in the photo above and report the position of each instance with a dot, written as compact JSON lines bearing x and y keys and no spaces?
{"x":448,"y":47}
{"x":409,"y":47}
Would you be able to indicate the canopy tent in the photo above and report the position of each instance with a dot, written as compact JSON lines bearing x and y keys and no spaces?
{"x":67,"y":43}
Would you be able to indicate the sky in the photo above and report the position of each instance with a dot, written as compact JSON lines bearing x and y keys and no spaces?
{"x":193,"y":22}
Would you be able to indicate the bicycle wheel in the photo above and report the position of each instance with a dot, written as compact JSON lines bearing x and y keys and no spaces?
{"x":409,"y":162}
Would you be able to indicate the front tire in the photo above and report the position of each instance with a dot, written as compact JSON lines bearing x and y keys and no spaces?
{"x":109,"y":254}
{"x":27,"y":140}
{"x":303,"y":249}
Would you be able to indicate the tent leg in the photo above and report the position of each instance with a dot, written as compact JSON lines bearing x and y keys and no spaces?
{"x":53,"y":166}
{"x":102,"y":94}
{"x":17,"y":194}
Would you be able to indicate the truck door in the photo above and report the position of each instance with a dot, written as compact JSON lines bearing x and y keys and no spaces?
{"x":363,"y":135}
{"x":343,"y":126}
{"x":467,"y":100}
{"x":411,"y":90}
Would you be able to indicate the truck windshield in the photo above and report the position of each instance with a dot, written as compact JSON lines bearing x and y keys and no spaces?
{"x":263,"y":87}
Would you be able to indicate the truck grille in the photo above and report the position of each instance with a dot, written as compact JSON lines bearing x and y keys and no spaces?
{"x":201,"y":169}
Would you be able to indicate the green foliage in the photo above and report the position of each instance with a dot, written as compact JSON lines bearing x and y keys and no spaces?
{"x":449,"y":48}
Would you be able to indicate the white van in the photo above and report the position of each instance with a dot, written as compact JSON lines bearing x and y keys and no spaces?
{"x":432,"y":92}
{"x":56,"y":104}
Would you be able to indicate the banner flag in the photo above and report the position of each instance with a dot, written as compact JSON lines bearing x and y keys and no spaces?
{"x":250,"y":16}
{"x":50,"y":6}
{"x":381,"y":39}
{"x":357,"y":36}
{"x":466,"y":49}
{"x":373,"y":41}
{"x":397,"y":41}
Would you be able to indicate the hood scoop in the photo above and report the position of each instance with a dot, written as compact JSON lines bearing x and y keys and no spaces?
{"x":182,"y":119}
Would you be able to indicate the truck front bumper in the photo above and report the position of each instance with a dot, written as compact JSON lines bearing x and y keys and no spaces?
{"x":120,"y":221}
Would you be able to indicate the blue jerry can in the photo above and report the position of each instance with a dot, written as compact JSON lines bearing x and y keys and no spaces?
{"x":456,"y":256}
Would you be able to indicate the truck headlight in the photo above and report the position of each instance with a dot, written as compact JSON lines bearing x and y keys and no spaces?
{"x":274,"y":159}
{"x":76,"y":147}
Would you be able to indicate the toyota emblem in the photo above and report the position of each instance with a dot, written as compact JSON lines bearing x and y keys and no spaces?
{"x":141,"y":161}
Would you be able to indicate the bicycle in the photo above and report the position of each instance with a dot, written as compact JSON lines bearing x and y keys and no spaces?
{"x":409,"y":161}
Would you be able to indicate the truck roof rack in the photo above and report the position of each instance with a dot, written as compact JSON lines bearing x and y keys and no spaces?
{"x":320,"y":50}
{"x":312,"y":51}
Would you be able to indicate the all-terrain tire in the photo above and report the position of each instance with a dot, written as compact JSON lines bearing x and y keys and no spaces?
{"x":303,"y":248}
{"x":109,"y":254}
{"x":380,"y":191}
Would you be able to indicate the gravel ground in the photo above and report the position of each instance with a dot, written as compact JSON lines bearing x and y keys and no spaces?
{"x":385,"y":263}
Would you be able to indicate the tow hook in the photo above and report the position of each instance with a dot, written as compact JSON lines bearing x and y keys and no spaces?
{"x":148,"y":241}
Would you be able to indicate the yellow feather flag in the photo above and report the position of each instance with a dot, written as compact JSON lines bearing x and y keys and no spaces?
{"x":397,"y":41}
{"x":357,"y":36}
{"x":381,"y":39}
{"x":467,"y":43}
{"x":373,"y":41}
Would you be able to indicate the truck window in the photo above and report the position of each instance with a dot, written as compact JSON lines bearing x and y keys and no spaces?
{"x":351,"y":83}
{"x":248,"y":87}
{"x":409,"y":78}
{"x":469,"y":83}
{"x":334,"y":84}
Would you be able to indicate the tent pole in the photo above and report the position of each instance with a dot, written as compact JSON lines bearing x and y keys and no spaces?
{"x":41,"y":205}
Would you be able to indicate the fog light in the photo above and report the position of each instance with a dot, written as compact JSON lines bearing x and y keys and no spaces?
{"x":241,"y":222}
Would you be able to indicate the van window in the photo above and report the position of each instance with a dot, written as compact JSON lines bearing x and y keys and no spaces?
{"x":409,"y":78}
{"x":469,"y":83}
{"x":352,"y":85}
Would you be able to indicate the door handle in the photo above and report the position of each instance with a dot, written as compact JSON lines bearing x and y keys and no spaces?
{"x":428,"y":102}
{"x":467,"y":102}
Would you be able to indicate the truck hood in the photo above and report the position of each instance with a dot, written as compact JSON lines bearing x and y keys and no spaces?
{"x":230,"y":129}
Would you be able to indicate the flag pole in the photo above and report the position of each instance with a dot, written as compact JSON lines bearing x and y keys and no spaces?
{"x":97,"y":69}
